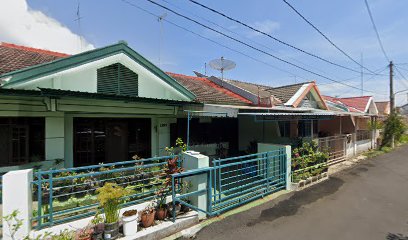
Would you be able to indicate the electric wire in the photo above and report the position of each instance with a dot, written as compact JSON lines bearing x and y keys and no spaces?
{"x":272,"y":37}
{"x":376,"y":31}
{"x":209,"y":39}
{"x":250,"y":46}
{"x":325,"y":36}
{"x":240,"y":35}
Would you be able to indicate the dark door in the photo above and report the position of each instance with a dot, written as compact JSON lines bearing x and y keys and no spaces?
{"x":117,"y":141}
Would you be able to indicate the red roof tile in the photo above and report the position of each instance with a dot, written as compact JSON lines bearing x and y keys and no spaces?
{"x":354,"y":104}
{"x":14,"y":57}
{"x":209,"y":92}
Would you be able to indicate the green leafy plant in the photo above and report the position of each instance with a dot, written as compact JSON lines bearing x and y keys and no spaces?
{"x":13,"y":222}
{"x":110,"y":196}
{"x":393,"y":126}
{"x":308,"y":160}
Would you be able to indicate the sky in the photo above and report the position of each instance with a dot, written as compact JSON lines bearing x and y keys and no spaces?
{"x":54,"y":25}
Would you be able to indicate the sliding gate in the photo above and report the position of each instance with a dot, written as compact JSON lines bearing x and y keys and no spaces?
{"x":234,"y":181}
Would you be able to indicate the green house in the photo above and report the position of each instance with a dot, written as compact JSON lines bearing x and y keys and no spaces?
{"x":103,"y":105}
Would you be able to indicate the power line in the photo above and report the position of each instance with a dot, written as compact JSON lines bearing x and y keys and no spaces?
{"x":272,"y":37}
{"x":250,"y":46}
{"x":376,"y":31}
{"x":208,"y":39}
{"x":327,"y":38}
{"x":239,"y":35}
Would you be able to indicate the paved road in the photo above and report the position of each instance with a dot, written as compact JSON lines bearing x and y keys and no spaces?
{"x":368,"y":201}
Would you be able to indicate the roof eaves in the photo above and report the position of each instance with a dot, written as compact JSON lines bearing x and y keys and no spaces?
{"x":56,"y":93}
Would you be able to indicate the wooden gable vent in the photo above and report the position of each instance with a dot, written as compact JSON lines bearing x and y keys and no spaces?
{"x":117,"y":79}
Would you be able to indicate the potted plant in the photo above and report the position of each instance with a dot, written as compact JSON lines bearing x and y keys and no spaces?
{"x":147,"y":216}
{"x":129,"y":218}
{"x":110,"y":197}
{"x":85,"y":233}
{"x":185,"y":208}
{"x":161,"y":207}
{"x":98,"y":226}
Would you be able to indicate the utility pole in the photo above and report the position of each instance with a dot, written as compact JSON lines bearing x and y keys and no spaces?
{"x":392,"y":96}
{"x":392,"y":99}
{"x":362,"y":76}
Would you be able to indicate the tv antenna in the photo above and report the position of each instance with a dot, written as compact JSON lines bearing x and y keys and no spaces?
{"x":160,"y":20}
{"x":222,"y":65}
{"x":78,"y":20}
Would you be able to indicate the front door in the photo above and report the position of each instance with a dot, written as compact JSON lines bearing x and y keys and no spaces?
{"x":116,"y":142}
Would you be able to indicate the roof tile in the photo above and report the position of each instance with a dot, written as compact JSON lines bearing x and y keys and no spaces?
{"x":14,"y":57}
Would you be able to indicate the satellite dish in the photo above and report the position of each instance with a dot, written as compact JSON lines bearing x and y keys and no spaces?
{"x":222,"y":65}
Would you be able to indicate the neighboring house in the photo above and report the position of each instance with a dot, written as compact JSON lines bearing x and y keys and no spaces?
{"x":103,"y":105}
{"x":292,"y":114}
{"x":354,"y":115}
{"x":384,"y":108}
{"x":404,"y":109}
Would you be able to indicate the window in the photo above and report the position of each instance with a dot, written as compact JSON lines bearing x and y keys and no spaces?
{"x":21,"y":140}
{"x":98,"y":140}
{"x":305,"y":128}
{"x":117,"y":79}
{"x":284,"y":128}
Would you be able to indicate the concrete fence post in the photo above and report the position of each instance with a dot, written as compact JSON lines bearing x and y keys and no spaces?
{"x":288,"y":150}
{"x":194,"y":160}
{"x":17,"y":195}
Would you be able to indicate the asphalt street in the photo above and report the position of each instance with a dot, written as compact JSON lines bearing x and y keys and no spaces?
{"x":368,"y":201}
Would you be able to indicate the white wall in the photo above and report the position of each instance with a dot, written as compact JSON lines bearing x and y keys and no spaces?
{"x":83,"y":78}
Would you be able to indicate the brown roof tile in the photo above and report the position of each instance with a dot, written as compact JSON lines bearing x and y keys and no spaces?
{"x":209,"y":92}
{"x":284,"y":93}
{"x":14,"y":57}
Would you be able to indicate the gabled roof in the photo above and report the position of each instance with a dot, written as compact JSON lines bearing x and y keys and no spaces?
{"x":209,"y":92}
{"x":61,"y":64}
{"x":358,"y":103}
{"x":285,"y":93}
{"x":383,"y":107}
{"x":353,"y":104}
{"x":14,"y":57}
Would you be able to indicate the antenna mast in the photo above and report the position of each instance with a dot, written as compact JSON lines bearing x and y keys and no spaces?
{"x":78,"y":19}
{"x":160,"y":20}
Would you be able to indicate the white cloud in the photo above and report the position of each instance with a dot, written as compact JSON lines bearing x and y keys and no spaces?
{"x":21,"y":25}
{"x":267,"y":26}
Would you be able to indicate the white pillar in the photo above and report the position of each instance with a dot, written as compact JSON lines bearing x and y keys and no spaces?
{"x":194,"y":161}
{"x":54,"y":138}
{"x":288,"y":150}
{"x":17,"y":195}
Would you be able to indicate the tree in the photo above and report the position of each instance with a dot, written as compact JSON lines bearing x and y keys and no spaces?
{"x":393,"y":126}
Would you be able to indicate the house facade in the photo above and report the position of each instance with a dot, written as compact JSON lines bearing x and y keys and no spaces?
{"x":111,"y":104}
{"x":104,"y":105}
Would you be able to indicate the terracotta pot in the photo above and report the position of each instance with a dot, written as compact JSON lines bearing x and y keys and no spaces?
{"x":148,"y":219}
{"x":161,"y":213}
{"x":85,"y":238}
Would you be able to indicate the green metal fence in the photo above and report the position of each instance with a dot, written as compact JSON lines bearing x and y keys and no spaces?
{"x":69,"y":194}
{"x":232,"y":182}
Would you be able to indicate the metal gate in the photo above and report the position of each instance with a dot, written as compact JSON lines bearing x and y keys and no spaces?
{"x":234,"y":181}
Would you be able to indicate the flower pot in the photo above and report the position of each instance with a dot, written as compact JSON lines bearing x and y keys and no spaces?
{"x":148,"y":219}
{"x":130,"y":225}
{"x":85,"y":238}
{"x":111,"y":231}
{"x":97,"y":236}
{"x":161,"y":213}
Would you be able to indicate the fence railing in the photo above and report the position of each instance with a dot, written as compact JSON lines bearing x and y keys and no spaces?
{"x":231,"y":182}
{"x":69,"y":194}
{"x":335,"y":146}
{"x":363,"y":135}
